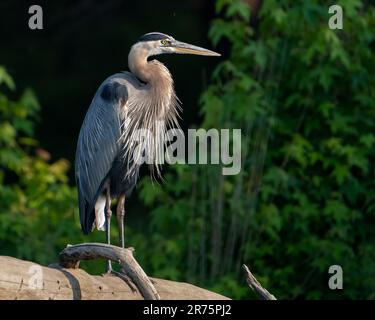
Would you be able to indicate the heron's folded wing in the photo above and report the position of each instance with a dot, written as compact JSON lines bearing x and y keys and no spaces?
{"x":98,"y":146}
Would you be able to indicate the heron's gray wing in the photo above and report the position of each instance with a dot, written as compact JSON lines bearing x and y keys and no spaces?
{"x":98,"y":146}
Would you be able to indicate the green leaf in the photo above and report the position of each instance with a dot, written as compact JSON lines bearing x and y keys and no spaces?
{"x":6,"y":79}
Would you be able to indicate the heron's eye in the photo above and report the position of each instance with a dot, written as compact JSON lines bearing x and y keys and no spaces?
{"x":164,"y":42}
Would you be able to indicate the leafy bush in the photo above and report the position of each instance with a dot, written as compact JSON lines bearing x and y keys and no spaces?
{"x":37,"y":204}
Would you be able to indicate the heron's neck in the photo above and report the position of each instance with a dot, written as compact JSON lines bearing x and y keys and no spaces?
{"x":151,"y":72}
{"x":161,"y":95}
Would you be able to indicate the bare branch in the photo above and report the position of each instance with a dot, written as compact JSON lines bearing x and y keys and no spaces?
{"x":256,"y":286}
{"x":71,"y":255}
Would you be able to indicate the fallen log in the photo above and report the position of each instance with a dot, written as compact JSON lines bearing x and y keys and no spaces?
{"x":20,"y":279}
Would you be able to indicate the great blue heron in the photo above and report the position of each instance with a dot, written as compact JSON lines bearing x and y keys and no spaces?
{"x":125,"y":102}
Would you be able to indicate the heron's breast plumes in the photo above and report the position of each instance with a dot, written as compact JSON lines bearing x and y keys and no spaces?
{"x":147,"y":115}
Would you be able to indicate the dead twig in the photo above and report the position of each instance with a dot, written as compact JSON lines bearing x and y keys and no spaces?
{"x":256,"y":286}
{"x":71,"y":255}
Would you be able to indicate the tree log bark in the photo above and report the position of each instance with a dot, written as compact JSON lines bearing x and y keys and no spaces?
{"x":21,"y":279}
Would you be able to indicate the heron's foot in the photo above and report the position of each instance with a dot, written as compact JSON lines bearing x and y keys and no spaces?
{"x":125,"y":277}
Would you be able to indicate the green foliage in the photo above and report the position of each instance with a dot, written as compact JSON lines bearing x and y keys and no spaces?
{"x":303,"y":96}
{"x":35,"y":198}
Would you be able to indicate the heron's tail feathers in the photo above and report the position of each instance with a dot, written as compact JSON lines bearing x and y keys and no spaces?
{"x":99,"y":213}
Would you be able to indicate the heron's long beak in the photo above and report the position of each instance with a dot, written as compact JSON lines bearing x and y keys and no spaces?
{"x":185,"y":48}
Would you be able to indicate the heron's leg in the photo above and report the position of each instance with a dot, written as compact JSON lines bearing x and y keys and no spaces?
{"x":108,"y":214}
{"x":120,"y":218}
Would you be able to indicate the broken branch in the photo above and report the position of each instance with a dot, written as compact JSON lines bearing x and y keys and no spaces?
{"x":71,"y":255}
{"x":256,"y":286}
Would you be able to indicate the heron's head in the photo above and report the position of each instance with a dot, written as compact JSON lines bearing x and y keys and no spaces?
{"x":156,"y":43}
